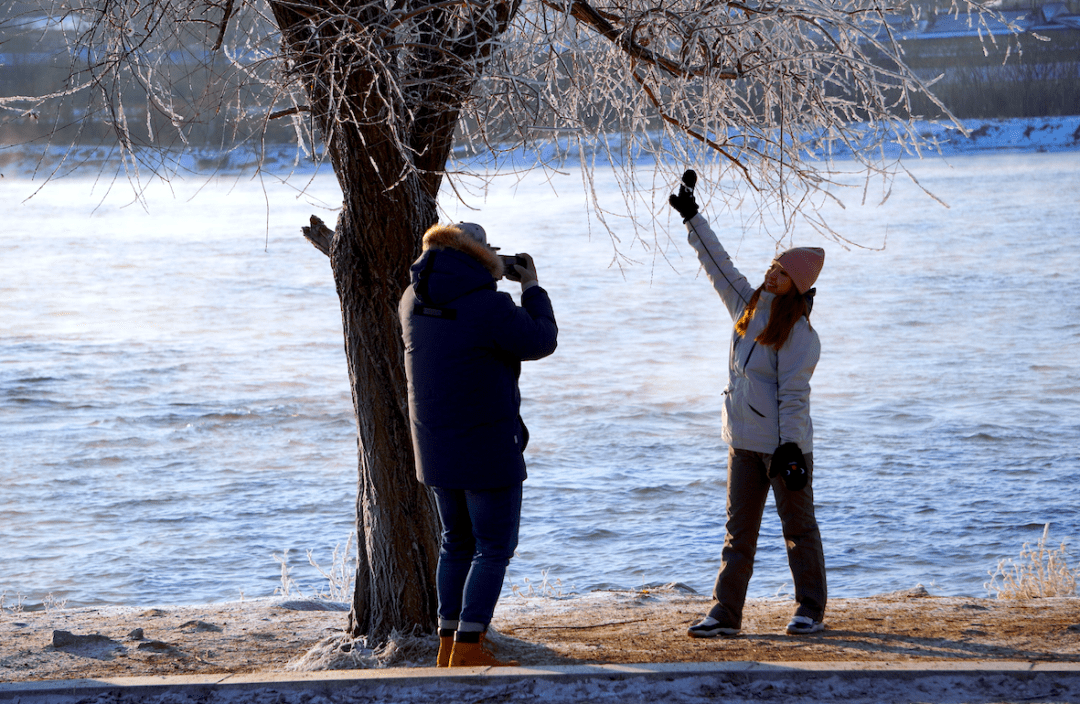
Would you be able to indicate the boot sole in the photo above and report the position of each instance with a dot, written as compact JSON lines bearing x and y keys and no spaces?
{"x":714,"y":632}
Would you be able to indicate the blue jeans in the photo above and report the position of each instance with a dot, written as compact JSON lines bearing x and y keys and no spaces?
{"x":480,"y":534}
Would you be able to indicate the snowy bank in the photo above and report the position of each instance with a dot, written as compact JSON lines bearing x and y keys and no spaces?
{"x":281,"y":161}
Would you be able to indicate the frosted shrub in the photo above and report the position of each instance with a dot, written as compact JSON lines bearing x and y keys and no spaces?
{"x":545,"y":588}
{"x":288,"y":585}
{"x":13,"y":608}
{"x":53,"y":603}
{"x":1038,"y":572}
{"x":340,"y":575}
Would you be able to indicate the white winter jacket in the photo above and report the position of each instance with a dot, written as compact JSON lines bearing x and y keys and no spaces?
{"x":767,"y":399}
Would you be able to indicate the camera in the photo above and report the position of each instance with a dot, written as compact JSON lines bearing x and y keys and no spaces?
{"x":509,"y":260}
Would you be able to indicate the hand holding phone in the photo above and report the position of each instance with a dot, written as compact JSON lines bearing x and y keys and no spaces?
{"x":510,"y":261}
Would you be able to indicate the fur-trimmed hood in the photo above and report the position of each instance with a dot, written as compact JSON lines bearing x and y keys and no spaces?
{"x":453,"y":265}
{"x":450,"y":237}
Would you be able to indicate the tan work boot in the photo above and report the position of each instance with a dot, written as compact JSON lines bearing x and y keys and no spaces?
{"x":476,"y":654}
{"x":446,"y":645}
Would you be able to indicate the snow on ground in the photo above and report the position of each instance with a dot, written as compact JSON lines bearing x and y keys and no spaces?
{"x":1037,"y":134}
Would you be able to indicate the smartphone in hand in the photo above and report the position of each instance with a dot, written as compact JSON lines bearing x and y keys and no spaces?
{"x":509,"y":260}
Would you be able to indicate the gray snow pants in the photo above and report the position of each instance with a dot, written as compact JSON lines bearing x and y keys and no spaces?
{"x":747,"y":488}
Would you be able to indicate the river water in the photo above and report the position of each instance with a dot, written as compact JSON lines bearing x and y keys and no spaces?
{"x":174,"y":404}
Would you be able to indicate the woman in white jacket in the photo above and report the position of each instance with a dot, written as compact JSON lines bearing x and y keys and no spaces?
{"x":766,"y":422}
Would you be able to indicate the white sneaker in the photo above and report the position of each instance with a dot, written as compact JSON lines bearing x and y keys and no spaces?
{"x":709,"y":627}
{"x":802,"y":625}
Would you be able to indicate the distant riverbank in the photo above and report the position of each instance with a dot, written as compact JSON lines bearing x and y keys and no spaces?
{"x":280,"y":160}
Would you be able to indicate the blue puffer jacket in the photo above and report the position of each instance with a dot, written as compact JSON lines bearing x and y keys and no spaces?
{"x":767,"y":399}
{"x":464,"y":343}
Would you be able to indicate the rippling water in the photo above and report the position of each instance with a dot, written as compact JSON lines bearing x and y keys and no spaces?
{"x":174,"y":404}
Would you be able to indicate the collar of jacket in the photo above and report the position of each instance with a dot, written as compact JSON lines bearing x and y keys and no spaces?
{"x":452,"y":238}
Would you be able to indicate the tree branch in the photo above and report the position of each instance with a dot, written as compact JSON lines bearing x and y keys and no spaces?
{"x":691,"y":132}
{"x":587,"y":14}
{"x":289,"y":111}
{"x":319,"y":235}
{"x":224,"y":25}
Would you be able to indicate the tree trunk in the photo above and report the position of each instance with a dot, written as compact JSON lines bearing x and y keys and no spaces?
{"x":390,"y":190}
{"x":397,"y":525}
{"x":376,"y":239}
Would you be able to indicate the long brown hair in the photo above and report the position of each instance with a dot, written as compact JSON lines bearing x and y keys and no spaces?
{"x":785,"y":311}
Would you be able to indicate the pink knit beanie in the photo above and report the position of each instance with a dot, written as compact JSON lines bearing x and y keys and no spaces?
{"x":802,"y":264}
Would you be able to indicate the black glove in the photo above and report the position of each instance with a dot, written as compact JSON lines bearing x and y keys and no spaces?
{"x":684,"y":202}
{"x":788,"y":462}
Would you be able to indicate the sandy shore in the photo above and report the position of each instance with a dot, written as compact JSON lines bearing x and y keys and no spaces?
{"x":644,"y":626}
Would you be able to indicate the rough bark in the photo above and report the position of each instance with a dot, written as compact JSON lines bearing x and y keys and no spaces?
{"x":370,"y":251}
{"x":387,"y":205}
{"x":389,"y":151}
{"x":396,"y":522}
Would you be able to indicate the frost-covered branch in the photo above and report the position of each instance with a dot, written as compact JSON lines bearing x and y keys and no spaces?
{"x":759,"y":91}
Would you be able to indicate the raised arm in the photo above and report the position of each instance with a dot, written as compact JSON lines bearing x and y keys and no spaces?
{"x":528,"y":332}
{"x":734,"y":289}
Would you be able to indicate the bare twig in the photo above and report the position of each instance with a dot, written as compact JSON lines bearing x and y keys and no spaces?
{"x":278,"y":114}
{"x":224,"y":25}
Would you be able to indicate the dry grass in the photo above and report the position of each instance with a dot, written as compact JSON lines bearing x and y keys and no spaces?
{"x":340,"y":575}
{"x":543,"y":588}
{"x":11,"y":608}
{"x":50,"y":604}
{"x":1038,"y":572}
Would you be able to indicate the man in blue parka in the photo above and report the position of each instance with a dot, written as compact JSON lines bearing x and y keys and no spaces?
{"x":464,"y":344}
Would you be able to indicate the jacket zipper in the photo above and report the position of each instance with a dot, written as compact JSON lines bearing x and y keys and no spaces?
{"x":746,"y":362}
